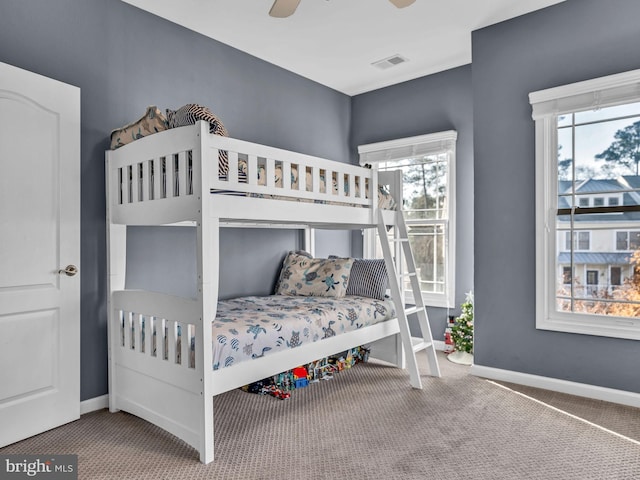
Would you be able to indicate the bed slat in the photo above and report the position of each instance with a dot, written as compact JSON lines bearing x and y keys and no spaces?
{"x":170,"y":176}
{"x":182,"y":174}
{"x":153,"y":351}
{"x":270,"y":172}
{"x":144,"y":340}
{"x":184,"y":342}
{"x":352,"y":186}
{"x":315,"y":179}
{"x":127,"y":330}
{"x":147,"y":187}
{"x":171,"y":341}
{"x":252,"y":170}
{"x":286,"y":176}
{"x":233,"y":168}
{"x":302,"y":177}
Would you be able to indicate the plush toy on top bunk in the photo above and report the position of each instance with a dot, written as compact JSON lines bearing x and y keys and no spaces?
{"x":154,"y":121}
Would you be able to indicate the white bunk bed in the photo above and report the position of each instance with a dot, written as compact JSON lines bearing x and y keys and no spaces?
{"x":172,"y":177}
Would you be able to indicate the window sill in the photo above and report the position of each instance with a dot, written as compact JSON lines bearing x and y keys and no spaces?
{"x":430,"y":300}
{"x":614,"y":327}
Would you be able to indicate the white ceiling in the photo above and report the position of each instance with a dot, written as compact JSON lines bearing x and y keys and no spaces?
{"x":334,"y":42}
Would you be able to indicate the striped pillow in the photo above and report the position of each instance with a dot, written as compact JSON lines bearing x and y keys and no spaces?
{"x":368,"y":279}
{"x":192,"y":112}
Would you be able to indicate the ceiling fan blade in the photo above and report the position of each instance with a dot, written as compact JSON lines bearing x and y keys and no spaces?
{"x":283,"y":8}
{"x":402,"y":3}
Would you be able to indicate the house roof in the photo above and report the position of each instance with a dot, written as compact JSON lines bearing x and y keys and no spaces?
{"x":594,"y":185}
{"x":632,"y":180}
{"x":595,"y":258}
{"x":600,"y":185}
{"x":612,"y":218}
{"x":624,"y":185}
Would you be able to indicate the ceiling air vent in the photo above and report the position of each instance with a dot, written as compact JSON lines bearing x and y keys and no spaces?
{"x":390,"y":62}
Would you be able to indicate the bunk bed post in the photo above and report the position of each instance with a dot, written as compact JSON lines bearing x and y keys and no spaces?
{"x":309,"y":240}
{"x":208,"y":251}
{"x":389,"y":349}
{"x":116,"y":271}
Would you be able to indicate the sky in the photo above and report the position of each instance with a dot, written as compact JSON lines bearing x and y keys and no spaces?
{"x":594,"y":138}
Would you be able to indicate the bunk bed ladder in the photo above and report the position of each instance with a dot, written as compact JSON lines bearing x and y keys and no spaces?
{"x":410,"y":345}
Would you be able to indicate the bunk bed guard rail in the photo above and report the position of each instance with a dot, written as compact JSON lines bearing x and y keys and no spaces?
{"x":175,"y":166}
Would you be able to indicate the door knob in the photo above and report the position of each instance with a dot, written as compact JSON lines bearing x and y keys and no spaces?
{"x":69,"y":270}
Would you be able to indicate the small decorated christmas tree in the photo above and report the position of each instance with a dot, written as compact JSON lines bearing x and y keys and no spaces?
{"x":462,"y":333}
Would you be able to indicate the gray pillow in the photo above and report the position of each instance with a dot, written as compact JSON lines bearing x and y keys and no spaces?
{"x":368,"y":278}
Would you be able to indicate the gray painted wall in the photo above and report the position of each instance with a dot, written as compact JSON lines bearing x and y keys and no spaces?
{"x":429,"y":104}
{"x":573,"y":41}
{"x":124,"y":59}
{"x":165,"y":259}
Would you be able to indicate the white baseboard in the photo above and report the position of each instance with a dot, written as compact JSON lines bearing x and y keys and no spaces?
{"x":563,"y":386}
{"x":439,"y":344}
{"x":93,"y":404}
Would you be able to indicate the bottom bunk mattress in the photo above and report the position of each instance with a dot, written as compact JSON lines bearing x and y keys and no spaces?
{"x":251,"y":327}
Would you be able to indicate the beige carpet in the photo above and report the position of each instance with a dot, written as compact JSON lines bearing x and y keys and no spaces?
{"x":367,"y":423}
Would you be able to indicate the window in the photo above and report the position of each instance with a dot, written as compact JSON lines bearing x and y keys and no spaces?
{"x":581,"y":240}
{"x":587,"y":143}
{"x":628,"y":240}
{"x":427,"y":196}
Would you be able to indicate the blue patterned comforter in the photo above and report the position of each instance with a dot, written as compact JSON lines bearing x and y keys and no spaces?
{"x":252,"y":327}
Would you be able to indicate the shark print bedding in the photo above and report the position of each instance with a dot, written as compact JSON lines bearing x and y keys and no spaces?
{"x":251,"y":327}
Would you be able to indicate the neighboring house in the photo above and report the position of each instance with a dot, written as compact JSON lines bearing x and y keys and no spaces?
{"x":603,"y":242}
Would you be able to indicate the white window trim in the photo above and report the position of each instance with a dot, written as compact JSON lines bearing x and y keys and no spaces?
{"x":546,"y":106}
{"x":398,"y":149}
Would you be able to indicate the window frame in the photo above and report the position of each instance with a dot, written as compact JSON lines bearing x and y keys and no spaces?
{"x":547,"y":105}
{"x":422,"y":145}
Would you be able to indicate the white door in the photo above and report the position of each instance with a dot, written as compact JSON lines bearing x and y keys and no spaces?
{"x":39,"y":235}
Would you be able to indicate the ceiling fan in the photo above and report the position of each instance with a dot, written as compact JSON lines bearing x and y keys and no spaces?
{"x":284,"y":8}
